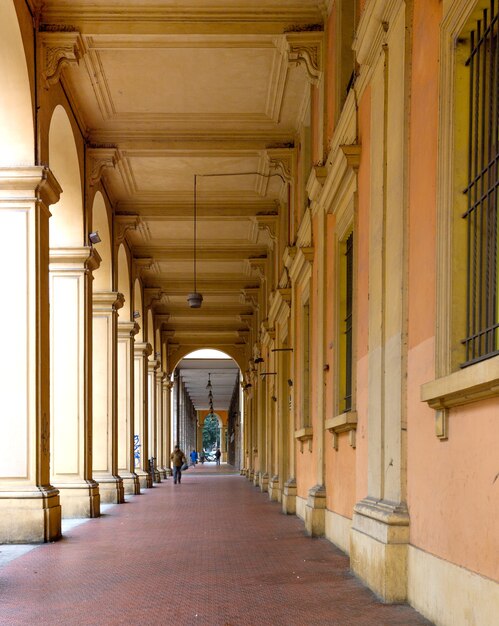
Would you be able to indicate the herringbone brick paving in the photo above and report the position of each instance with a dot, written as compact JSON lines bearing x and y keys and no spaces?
{"x":212,"y":551}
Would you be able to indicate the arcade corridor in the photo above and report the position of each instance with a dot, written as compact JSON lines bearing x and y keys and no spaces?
{"x":213,"y":551}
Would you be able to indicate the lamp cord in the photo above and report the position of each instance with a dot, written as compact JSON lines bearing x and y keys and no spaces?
{"x":195,"y":229}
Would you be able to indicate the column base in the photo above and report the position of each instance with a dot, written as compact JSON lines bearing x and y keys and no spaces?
{"x":110,"y":489}
{"x":315,"y":511}
{"x":169,"y":472}
{"x":143,"y":478}
{"x":289,"y":497}
{"x":162,"y":472}
{"x":378,"y":547}
{"x":274,"y":489}
{"x":264,"y":482}
{"x":250,"y":475}
{"x":131,"y":484}
{"x":256,"y":479}
{"x":30,"y":516}
{"x":79,"y":499}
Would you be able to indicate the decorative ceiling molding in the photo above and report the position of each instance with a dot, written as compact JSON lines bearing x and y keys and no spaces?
{"x":123,"y":223}
{"x":99,"y":160}
{"x":306,"y":48}
{"x":59,"y":50}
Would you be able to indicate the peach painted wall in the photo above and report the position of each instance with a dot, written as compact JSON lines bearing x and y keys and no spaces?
{"x":452,"y":485}
{"x":223,"y":415}
{"x":340,"y":476}
{"x":361,"y":242}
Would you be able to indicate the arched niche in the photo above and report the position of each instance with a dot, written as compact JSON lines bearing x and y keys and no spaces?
{"x":17,"y":143}
{"x":66,"y":223}
{"x":137,"y":306}
{"x":100,"y":223}
{"x":125,"y":313}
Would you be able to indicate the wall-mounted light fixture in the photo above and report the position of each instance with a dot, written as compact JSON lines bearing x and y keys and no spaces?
{"x":258,"y":359}
{"x":94,"y":237}
{"x":136,"y":315}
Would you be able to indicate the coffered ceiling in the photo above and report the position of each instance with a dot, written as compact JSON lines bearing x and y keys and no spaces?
{"x":164,"y":90}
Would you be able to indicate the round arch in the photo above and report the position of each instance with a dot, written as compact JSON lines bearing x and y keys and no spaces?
{"x":66,"y":223}
{"x":233,"y":353}
{"x":100,"y":223}
{"x":124,"y":282}
{"x":17,"y":137}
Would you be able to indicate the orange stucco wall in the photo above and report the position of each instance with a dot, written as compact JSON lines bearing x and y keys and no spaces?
{"x":452,"y":485}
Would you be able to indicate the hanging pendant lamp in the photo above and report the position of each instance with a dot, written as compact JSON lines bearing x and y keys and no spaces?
{"x":195,"y":299}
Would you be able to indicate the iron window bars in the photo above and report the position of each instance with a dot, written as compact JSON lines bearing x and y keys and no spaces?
{"x":482,"y":324}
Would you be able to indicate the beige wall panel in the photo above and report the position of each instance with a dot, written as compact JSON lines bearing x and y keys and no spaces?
{"x":101,"y":390}
{"x":65,"y":397}
{"x":14,"y":375}
{"x":449,"y":595}
{"x":338,"y":530}
{"x":301,"y":505}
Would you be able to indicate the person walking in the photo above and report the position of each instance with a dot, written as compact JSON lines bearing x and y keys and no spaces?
{"x":177,"y":458}
{"x":194,"y":458}
{"x":218,"y":454}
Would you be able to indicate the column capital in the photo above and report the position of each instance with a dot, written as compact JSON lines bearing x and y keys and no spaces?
{"x":142,"y":348}
{"x":28,"y":184}
{"x":108,"y":300}
{"x":59,"y":49}
{"x":128,"y":329}
{"x":85,"y":257}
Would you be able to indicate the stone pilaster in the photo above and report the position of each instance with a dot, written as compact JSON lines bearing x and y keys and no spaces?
{"x":264,"y":482}
{"x":104,"y":396}
{"x":126,"y":389}
{"x":30,"y":509}
{"x":70,"y":379}
{"x":141,"y":447}
{"x":223,"y":444}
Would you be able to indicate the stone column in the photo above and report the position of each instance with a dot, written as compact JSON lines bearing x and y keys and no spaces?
{"x":141,"y":443}
{"x":167,"y":389}
{"x":152,"y":366}
{"x":104,"y":395}
{"x":160,"y":443}
{"x":30,"y":510}
{"x":263,"y":477}
{"x":126,"y":388}
{"x":70,"y":379}
{"x":223,"y":444}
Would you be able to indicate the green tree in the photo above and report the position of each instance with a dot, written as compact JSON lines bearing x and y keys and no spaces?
{"x":210,"y":433}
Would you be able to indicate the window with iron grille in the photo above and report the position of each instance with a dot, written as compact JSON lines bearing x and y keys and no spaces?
{"x":482,"y":319}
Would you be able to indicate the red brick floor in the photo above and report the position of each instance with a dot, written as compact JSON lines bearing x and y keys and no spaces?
{"x":213,"y":551}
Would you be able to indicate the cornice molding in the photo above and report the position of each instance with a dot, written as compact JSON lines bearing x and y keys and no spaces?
{"x":107,"y":301}
{"x":280,"y":306}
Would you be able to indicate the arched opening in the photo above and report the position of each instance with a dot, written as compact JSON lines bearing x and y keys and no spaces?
{"x":66,"y":223}
{"x":207,"y":406}
{"x":100,"y":223}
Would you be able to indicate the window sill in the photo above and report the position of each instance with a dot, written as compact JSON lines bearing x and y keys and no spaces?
{"x":346,"y":422}
{"x":303,"y":435}
{"x":473,"y":383}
